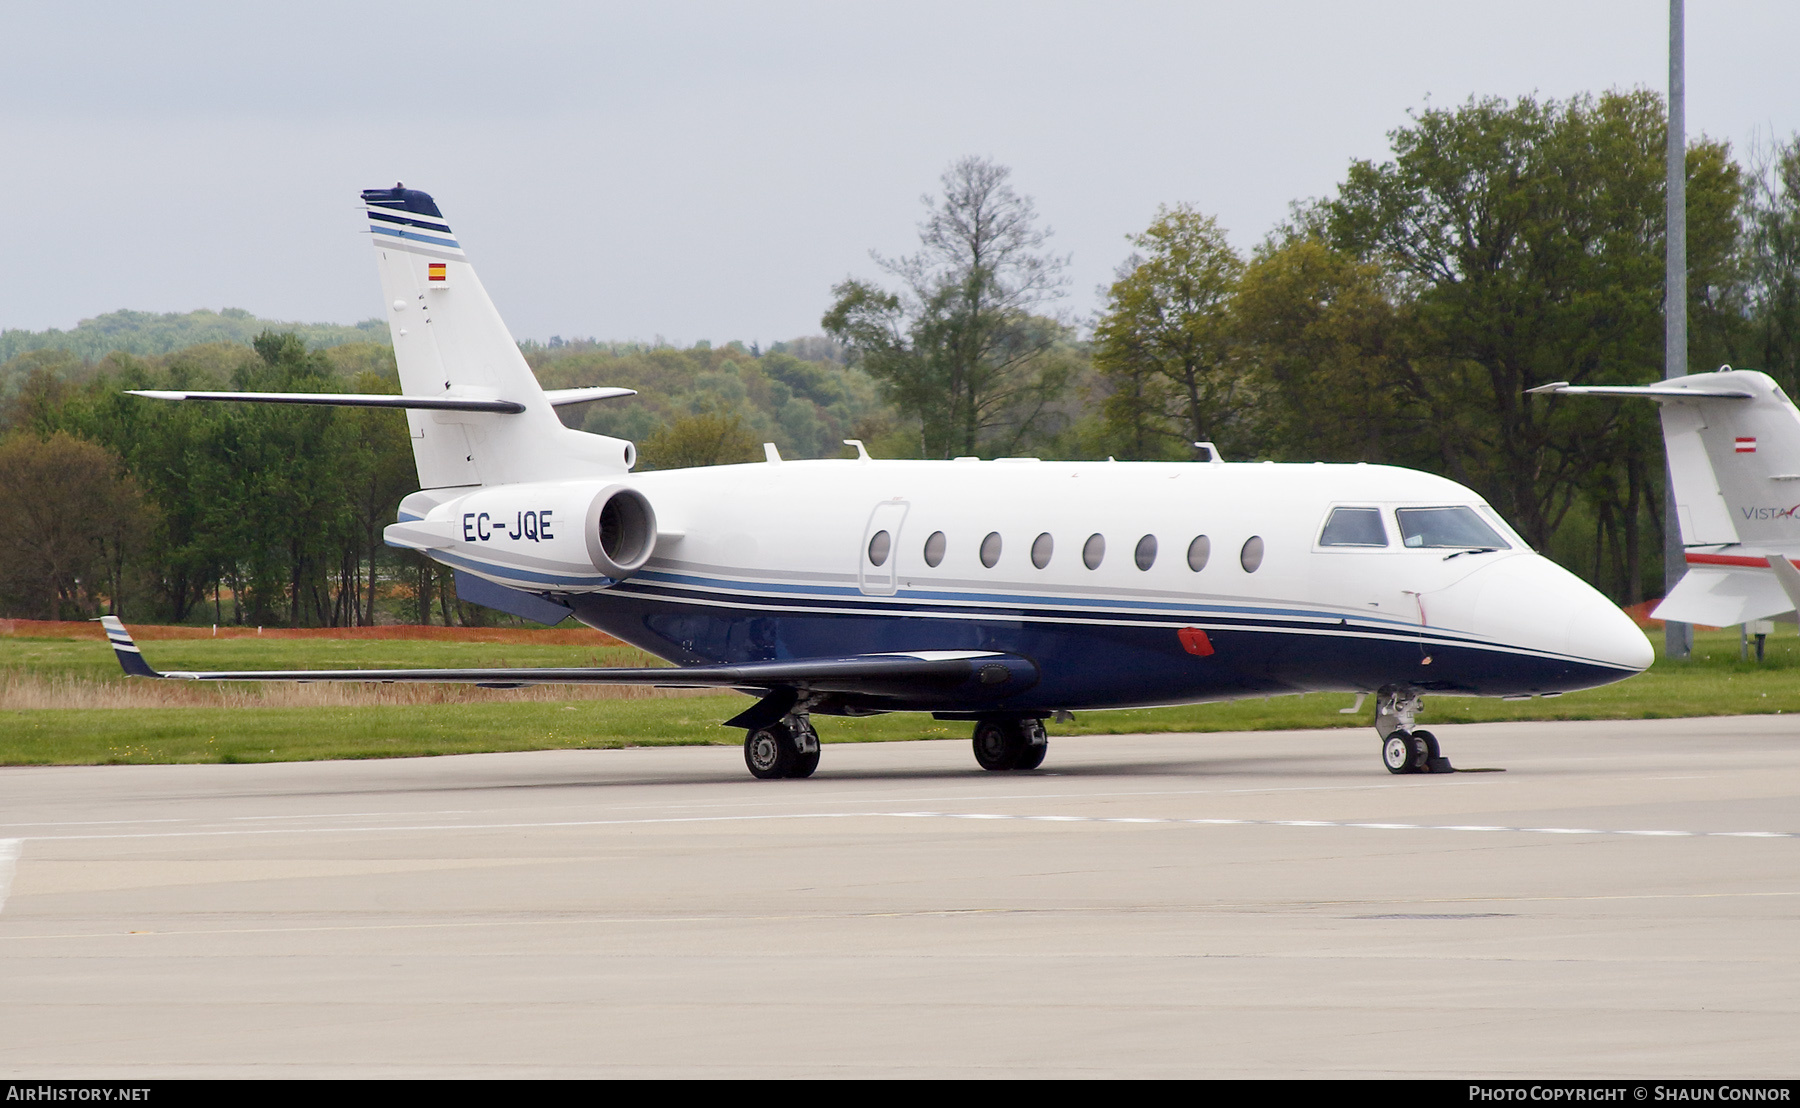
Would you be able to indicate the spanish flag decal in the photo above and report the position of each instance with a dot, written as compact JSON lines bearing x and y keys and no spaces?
{"x":436,"y":272}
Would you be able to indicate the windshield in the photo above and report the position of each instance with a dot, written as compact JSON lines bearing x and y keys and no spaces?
{"x":1447,"y":528}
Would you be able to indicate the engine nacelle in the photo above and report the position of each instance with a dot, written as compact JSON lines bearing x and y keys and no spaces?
{"x":561,"y":536}
{"x":620,"y":531}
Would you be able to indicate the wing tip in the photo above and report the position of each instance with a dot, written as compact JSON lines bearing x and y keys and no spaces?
{"x":131,"y":659}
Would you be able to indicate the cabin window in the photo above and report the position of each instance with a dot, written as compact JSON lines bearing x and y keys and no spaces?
{"x":1093,"y":552}
{"x":934,"y":549}
{"x":1447,"y":528}
{"x":1354,"y":527}
{"x":990,"y":549}
{"x":1251,"y":556}
{"x":1041,"y":550}
{"x":1198,"y":552}
{"x":878,"y":548}
{"x":1145,"y":554}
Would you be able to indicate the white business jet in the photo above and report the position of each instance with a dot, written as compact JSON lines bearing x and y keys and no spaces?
{"x":1733,"y":444}
{"x":998,"y":592}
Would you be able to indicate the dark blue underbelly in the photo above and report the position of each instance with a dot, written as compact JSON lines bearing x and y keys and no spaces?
{"x":1087,"y":660}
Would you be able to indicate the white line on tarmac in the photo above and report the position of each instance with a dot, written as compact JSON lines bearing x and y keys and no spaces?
{"x":1164,"y":820}
{"x":9,"y":861}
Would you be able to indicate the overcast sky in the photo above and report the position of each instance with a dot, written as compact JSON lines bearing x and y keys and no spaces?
{"x":709,"y":170}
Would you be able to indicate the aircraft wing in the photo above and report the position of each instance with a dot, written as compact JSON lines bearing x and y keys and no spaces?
{"x":952,"y":678}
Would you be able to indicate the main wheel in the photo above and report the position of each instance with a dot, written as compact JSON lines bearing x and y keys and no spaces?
{"x":770,"y":753}
{"x":1403,"y":753}
{"x":804,"y":764}
{"x":1031,"y":755}
{"x":806,"y":752}
{"x":998,"y":744}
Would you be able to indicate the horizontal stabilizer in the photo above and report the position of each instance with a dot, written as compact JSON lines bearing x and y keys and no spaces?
{"x":949,"y":677}
{"x":1717,"y":597}
{"x":1667,"y":390}
{"x":559,"y":397}
{"x":346,"y":400}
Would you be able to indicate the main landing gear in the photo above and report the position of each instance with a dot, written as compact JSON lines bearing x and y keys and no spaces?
{"x":1403,"y":749}
{"x":788,"y":747}
{"x":1010,"y":743}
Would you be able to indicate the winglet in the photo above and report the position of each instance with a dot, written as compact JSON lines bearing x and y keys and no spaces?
{"x":130,"y":657}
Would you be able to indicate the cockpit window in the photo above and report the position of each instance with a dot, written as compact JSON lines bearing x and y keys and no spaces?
{"x":1354,"y":527}
{"x":1447,"y":528}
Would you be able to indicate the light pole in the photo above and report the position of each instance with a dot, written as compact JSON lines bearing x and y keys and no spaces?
{"x":1678,"y":638}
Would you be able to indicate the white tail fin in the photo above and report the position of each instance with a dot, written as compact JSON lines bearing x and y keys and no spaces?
{"x":1733,"y":442}
{"x":449,"y":341}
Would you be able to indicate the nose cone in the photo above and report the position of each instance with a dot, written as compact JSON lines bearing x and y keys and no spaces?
{"x":1563,"y":633}
{"x":1598,"y":631}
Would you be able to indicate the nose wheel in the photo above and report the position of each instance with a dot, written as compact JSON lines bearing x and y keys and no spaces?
{"x":1403,"y":749}
{"x":1413,"y":752}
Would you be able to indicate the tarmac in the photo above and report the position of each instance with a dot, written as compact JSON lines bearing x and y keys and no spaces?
{"x":1623,"y":901}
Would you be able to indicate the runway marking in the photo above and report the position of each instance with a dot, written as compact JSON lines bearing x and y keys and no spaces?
{"x":1351,"y":824}
{"x":9,"y":861}
{"x":1013,"y":816}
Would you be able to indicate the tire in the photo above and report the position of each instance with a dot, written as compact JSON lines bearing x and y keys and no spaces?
{"x":1399,"y":753}
{"x":998,"y":744}
{"x":769,"y":752}
{"x":1434,"y":762}
{"x":1031,"y":756}
{"x":804,"y":764}
{"x":1432,"y":753}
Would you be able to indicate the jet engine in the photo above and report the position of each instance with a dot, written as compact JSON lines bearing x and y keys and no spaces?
{"x":620,"y":531}
{"x":539,"y":537}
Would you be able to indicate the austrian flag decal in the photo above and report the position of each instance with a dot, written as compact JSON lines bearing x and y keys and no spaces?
{"x":1746,"y":446}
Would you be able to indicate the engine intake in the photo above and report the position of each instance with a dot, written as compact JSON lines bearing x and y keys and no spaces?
{"x":621,"y":531}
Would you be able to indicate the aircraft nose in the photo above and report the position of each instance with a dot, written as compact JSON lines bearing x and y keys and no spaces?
{"x":1599,"y":631}
{"x":1529,"y":601}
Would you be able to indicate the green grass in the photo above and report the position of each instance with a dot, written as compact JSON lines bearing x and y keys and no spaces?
{"x":92,"y":660}
{"x":1713,"y":682}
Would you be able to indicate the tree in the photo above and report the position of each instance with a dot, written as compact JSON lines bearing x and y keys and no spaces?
{"x":959,"y":348}
{"x":1164,"y":342}
{"x":1527,"y":238}
{"x":1772,"y":262}
{"x":706,"y":439}
{"x":1327,"y":338}
{"x":72,"y":515}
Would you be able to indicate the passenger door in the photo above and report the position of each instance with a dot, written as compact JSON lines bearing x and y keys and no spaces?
{"x":879,"y":556}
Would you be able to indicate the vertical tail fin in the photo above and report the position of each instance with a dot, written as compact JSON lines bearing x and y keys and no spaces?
{"x":450,"y":341}
{"x":1733,"y":443}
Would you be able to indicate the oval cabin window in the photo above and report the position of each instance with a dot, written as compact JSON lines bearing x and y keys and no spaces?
{"x":1093,"y":552}
{"x":878,"y":548}
{"x":1198,"y":552}
{"x":1145,"y":554}
{"x":1042,"y":549}
{"x":990,"y":549}
{"x":1252,"y":555}
{"x":934,"y":549}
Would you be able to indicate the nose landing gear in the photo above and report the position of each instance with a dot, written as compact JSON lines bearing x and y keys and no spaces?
{"x":1404,"y":750}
